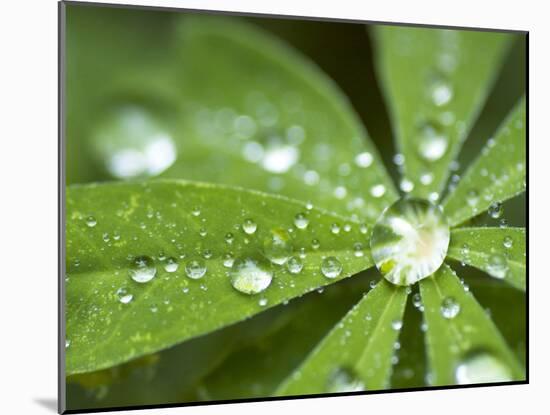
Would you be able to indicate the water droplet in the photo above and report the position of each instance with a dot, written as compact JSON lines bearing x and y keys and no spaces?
{"x":228,"y":260}
{"x":301,"y":221}
{"x":450,"y":308}
{"x":472,"y":197}
{"x":294,"y":265}
{"x":171,"y":265}
{"x":309,"y":205}
{"x":364,"y":159}
{"x":508,"y":242}
{"x":277,"y":247}
{"x":203,"y":232}
{"x":143,"y":269}
{"x":417,"y":300}
{"x":229,"y":238}
{"x":358,"y":249}
{"x":495,"y":210}
{"x":315,"y":244}
{"x":372,"y":283}
{"x":482,"y":367}
{"x":465,"y":250}
{"x":124,"y":296}
{"x":91,"y":221}
{"x":441,"y":92}
{"x":249,"y":226}
{"x":363,"y":228}
{"x":398,"y":159}
{"x":251,"y":275}
{"x":207,"y":254}
{"x":331,"y":267}
{"x":409,"y":241}
{"x":432,"y":143}
{"x":154,"y":308}
{"x":396,"y":324}
{"x":344,"y":380}
{"x":133,"y":144}
{"x":426,"y":178}
{"x":498,"y":266}
{"x":406,"y":185}
{"x":262,"y":302}
{"x":67,"y":343}
{"x":196,"y":211}
{"x":335,"y":228}
{"x":378,"y":190}
{"x":279,"y":158}
{"x":195,"y":268}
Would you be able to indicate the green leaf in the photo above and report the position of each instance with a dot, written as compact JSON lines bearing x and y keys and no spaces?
{"x":498,"y":251}
{"x":464,"y":346}
{"x":259,"y":115}
{"x":259,"y":368}
{"x":436,"y":82}
{"x":498,"y":173}
{"x":111,"y":227}
{"x":357,"y":353}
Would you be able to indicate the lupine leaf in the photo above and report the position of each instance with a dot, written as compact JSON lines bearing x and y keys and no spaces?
{"x":498,"y":251}
{"x":464,"y":346}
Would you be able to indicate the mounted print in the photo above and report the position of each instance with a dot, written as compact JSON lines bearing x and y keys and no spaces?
{"x":259,"y":207}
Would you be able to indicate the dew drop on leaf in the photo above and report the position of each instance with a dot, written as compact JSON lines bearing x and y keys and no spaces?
{"x":294,"y":265}
{"x":335,"y":228}
{"x":364,"y":159}
{"x":432,"y":143}
{"x":495,"y":210}
{"x":482,"y":367}
{"x":301,"y":221}
{"x":331,"y":267}
{"x":508,"y":242}
{"x":249,"y":226}
{"x":195,"y":268}
{"x":143,"y":269}
{"x":396,"y":324}
{"x":450,"y":308}
{"x":277,"y":247}
{"x":344,"y":380}
{"x":124,"y":296}
{"x":251,"y":275}
{"x":91,"y":221}
{"x":498,"y":266}
{"x":171,"y":265}
{"x":409,"y":241}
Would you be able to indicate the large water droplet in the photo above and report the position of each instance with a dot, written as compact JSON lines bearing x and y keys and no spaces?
{"x":331,"y":267}
{"x":251,"y":275}
{"x":143,"y":269}
{"x":294,"y":265}
{"x":344,"y":380}
{"x":482,"y":367}
{"x":195,"y":268}
{"x":277,"y":247}
{"x":132,"y":144}
{"x":409,"y":241}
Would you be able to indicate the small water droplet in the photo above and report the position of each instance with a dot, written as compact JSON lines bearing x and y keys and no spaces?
{"x":482,"y":367}
{"x":229,"y":238}
{"x":301,"y":221}
{"x":417,"y":300}
{"x":277,"y":247}
{"x":432,"y":143}
{"x":249,"y":226}
{"x":441,"y":92}
{"x":143,"y":269}
{"x":171,"y":265}
{"x":228,"y":260}
{"x":358,"y":249}
{"x":465,"y":250}
{"x":294,"y":265}
{"x":426,"y":178}
{"x":91,"y":221}
{"x":195,"y":268}
{"x":378,"y":190}
{"x":335,"y":228}
{"x":396,"y":324}
{"x":124,"y":296}
{"x":364,"y":159}
{"x":472,"y":197}
{"x":450,"y":308}
{"x":251,"y":275}
{"x":406,"y":185}
{"x":495,"y":210}
{"x":67,"y":343}
{"x":203,"y":232}
{"x":262,"y":302}
{"x":498,"y":266}
{"x":508,"y":242}
{"x":196,"y":211}
{"x":315,"y":244}
{"x":344,"y":380}
{"x":331,"y":267}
